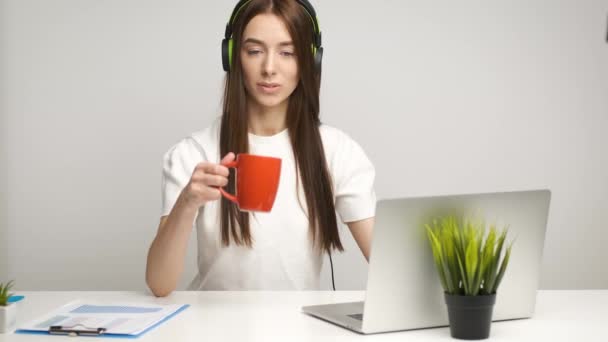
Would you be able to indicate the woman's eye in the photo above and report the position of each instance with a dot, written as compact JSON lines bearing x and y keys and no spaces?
{"x":255,"y":52}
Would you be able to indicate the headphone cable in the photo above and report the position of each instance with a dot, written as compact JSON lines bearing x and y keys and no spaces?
{"x":332,"y":272}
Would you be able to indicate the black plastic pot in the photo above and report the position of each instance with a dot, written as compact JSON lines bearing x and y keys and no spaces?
{"x":470,"y":316}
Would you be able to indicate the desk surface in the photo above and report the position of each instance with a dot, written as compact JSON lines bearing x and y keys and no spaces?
{"x":264,"y":316}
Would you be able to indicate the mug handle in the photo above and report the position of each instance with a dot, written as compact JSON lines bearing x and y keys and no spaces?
{"x":232,"y":164}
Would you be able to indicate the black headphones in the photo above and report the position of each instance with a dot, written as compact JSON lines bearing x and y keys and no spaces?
{"x":227,"y":43}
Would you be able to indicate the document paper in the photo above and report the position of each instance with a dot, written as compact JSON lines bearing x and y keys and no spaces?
{"x":116,"y":318}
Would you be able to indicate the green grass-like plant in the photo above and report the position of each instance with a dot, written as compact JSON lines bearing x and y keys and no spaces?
{"x":467,"y":264}
{"x":4,"y":294}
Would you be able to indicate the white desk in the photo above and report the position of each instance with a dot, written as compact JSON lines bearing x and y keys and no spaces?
{"x":264,"y":316}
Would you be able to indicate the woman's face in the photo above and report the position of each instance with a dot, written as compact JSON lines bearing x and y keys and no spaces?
{"x":270,"y":68}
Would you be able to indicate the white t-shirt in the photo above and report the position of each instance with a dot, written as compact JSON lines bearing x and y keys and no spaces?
{"x":282,"y":256}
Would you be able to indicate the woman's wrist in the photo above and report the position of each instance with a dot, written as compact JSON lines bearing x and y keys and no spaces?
{"x":187,"y":205}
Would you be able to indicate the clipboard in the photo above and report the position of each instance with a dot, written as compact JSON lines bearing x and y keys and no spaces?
{"x":75,"y":331}
{"x":119,"y":320}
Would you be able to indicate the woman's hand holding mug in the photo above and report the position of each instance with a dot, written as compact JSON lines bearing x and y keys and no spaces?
{"x":257,"y":182}
{"x":205,"y":182}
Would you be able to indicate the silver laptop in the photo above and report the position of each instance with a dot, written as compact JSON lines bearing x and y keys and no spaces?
{"x":403,"y":289}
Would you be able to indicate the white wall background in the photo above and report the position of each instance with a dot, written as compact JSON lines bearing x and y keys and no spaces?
{"x":445,"y":97}
{"x":3,"y":164}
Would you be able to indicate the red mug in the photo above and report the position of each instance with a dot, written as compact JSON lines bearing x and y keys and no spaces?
{"x":257,"y":181}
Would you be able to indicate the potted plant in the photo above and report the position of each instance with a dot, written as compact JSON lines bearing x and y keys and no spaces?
{"x":8,"y":311}
{"x":470,"y":269}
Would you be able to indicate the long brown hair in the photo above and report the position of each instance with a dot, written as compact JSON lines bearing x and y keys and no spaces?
{"x":302,"y":124}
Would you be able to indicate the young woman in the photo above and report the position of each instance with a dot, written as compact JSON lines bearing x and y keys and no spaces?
{"x":271,"y":108}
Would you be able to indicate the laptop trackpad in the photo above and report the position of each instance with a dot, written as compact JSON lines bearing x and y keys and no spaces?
{"x":358,"y":316}
{"x":352,"y":310}
{"x":339,"y":313}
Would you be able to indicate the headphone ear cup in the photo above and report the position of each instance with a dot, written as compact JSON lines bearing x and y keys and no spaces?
{"x":226,"y":53}
{"x":318,"y":58}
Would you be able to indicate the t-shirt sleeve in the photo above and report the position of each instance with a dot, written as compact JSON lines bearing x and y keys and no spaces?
{"x":178,"y":165}
{"x":354,"y":176}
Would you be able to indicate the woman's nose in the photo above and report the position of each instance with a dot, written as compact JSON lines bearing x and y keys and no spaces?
{"x":269,"y":66}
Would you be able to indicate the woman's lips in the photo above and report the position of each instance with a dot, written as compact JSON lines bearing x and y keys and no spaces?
{"x":268,"y":89}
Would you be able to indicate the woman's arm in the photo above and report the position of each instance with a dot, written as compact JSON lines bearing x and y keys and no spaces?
{"x":167,"y":252}
{"x":362,"y":232}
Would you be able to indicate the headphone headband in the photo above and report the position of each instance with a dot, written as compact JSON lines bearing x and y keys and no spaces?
{"x":304,"y":3}
{"x":227,"y":41}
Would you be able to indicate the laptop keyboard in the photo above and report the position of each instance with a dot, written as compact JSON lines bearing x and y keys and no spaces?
{"x":356,"y":316}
